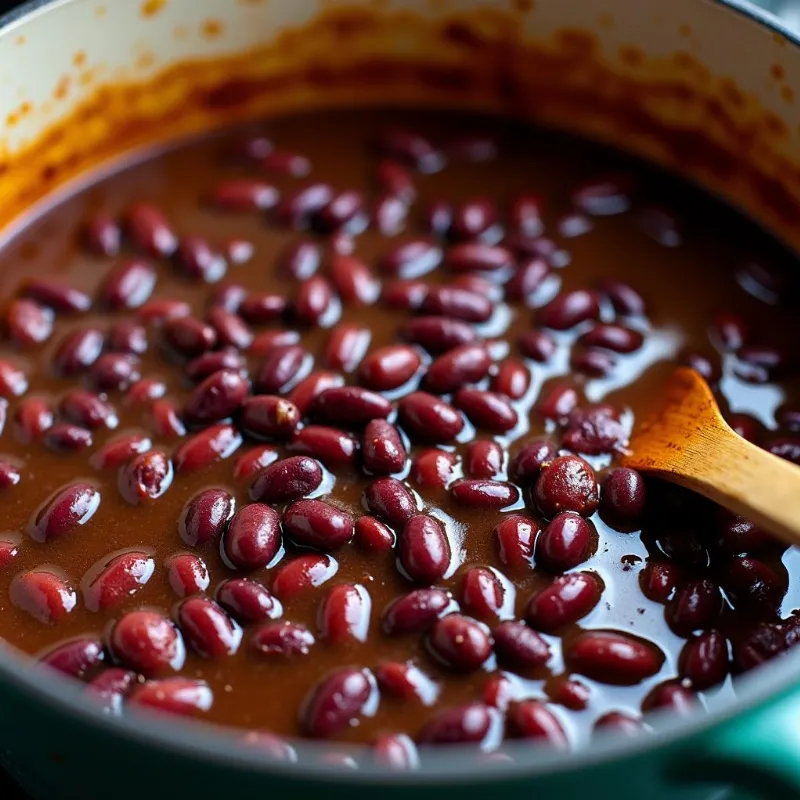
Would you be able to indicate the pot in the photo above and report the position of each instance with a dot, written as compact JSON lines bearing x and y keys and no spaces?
{"x":705,"y":88}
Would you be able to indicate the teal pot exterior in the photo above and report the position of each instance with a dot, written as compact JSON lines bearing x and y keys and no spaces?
{"x":61,"y":748}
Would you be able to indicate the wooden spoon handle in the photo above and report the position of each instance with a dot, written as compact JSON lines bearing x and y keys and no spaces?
{"x":742,"y":477}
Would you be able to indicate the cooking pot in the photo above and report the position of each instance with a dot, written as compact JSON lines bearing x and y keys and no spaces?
{"x":704,"y":88}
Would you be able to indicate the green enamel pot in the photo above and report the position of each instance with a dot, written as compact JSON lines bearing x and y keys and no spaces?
{"x":61,"y":748}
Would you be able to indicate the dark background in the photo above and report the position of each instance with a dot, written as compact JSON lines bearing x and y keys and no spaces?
{"x":788,"y":9}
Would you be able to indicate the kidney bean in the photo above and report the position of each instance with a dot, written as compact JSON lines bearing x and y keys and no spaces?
{"x":383,"y":451}
{"x":285,"y":162}
{"x":103,"y":235}
{"x":737,"y":535}
{"x":315,"y":523}
{"x":569,"y":309}
{"x":158,"y":312}
{"x":753,"y":586}
{"x":474,"y":493}
{"x":298,"y":207}
{"x":405,"y":295}
{"x":89,"y":410}
{"x":248,"y":601}
{"x":592,"y":362}
{"x":313,"y":304}
{"x":526,"y":281}
{"x":466,"y":363}
{"x":389,"y":499}
{"x":219,"y":396}
{"x":347,"y":345}
{"x":433,"y":468}
{"x":199,"y":261}
{"x":350,"y":405}
{"x":566,"y":600}
{"x":460,"y":642}
{"x":696,"y":605}
{"x":253,"y":538}
{"x":470,"y":724}
{"x":424,"y":549}
{"x":567,"y":483}
{"x":269,"y":417}
{"x":65,"y":511}
{"x":624,"y":298}
{"x":261,"y":308}
{"x":526,"y":465}
{"x":286,"y":480}
{"x":395,"y":751}
{"x":301,"y":259}
{"x":396,"y":180}
{"x":253,"y":461}
{"x":47,"y":597}
{"x":209,"y":363}
{"x":229,"y":297}
{"x":267,"y":341}
{"x":205,"y":516}
{"x":511,"y":379}
{"x":406,"y":681}
{"x":344,"y":614}
{"x":167,"y":422}
{"x":704,"y":660}
{"x":564,"y":543}
{"x":232,"y":330}
{"x":189,"y":336}
{"x":65,"y":437}
{"x":624,"y":497}
{"x":389,"y":214}
{"x":117,"y":451}
{"x":412,"y":258}
{"x":112,"y":582}
{"x":473,"y":219}
{"x":146,"y":477}
{"x":478,"y":256}
{"x":115,"y":372}
{"x":537,"y":345}
{"x":128,"y":336}
{"x":337,"y":702}
{"x":303,"y":572}
{"x":244,"y":194}
{"x":615,"y":658}
{"x":354,"y":281}
{"x":416,"y":611}
{"x":128,"y":286}
{"x":373,"y":535}
{"x":10,"y":474}
{"x":389,"y":368}
{"x":484,"y":460}
{"x":518,"y":647}
{"x":558,"y":402}
{"x":621,"y":723}
{"x":147,"y":642}
{"x":411,"y":149}
{"x":484,"y":595}
{"x":708,"y":369}
{"x":208,"y":629}
{"x":188,"y":574}
{"x":280,"y":369}
{"x":284,"y":639}
{"x":487,"y":410}
{"x":75,"y":658}
{"x":660,"y":580}
{"x":334,"y":448}
{"x":178,"y":696}
{"x":150,"y":230}
{"x":215,"y":443}
{"x":428,"y":418}
{"x":109,"y":688}
{"x":595,"y":431}
{"x":29,"y":323}
{"x":438,"y":334}
{"x":269,"y":745}
{"x":453,"y":301}
{"x":9,"y":550}
{"x":77,"y":352}
{"x":672,"y":695}
{"x":514,"y":538}
{"x":526,"y":215}
{"x":613,"y":337}
{"x":532,"y":719}
{"x":33,"y":417}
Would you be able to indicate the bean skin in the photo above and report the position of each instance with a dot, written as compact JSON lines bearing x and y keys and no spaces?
{"x":424,"y":549}
{"x":315,"y":523}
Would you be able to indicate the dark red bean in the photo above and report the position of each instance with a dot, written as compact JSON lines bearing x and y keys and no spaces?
{"x":624,"y":496}
{"x":118,"y":451}
{"x":615,"y":658}
{"x":704,"y":660}
{"x":112,"y":582}
{"x":317,"y":524}
{"x":337,"y":702}
{"x":314,"y":302}
{"x":389,"y":499}
{"x":515,"y":538}
{"x":592,"y":362}
{"x":350,"y":405}
{"x":532,"y":719}
{"x":428,"y":418}
{"x":47,"y":597}
{"x":737,"y":535}
{"x":266,"y":341}
{"x":566,"y":600}
{"x":129,"y":285}
{"x":286,"y":480}
{"x":177,"y":696}
{"x":487,"y":410}
{"x":537,"y":345}
{"x":213,"y":444}
{"x":306,"y":391}
{"x":467,"y":363}
{"x":424,"y":549}
{"x":261,"y":308}
{"x":438,"y":334}
{"x":253,"y":538}
{"x":526,"y":465}
{"x":411,"y":149}
{"x":188,"y":574}
{"x":209,"y":363}
{"x":9,"y":550}
{"x":302,"y":573}
{"x":696,"y":605}
{"x":29,"y":323}
{"x":167,"y":422}
{"x":229,"y":297}
{"x":526,"y":215}
{"x":473,"y":219}
{"x":620,"y":723}
{"x":281,"y":368}
{"x":103,"y":235}
{"x":189,"y":336}
{"x":108,"y":689}
{"x":660,"y":580}
{"x":382,"y":449}
{"x":624,"y":298}
{"x":205,"y":516}
{"x":512,"y":379}
{"x":389,"y":214}
{"x":89,"y":410}
{"x":483,"y":460}
{"x":334,"y":448}
{"x":596,"y":430}
{"x":219,"y":396}
{"x":604,"y":196}
{"x":529,"y":277}
{"x":283,"y":639}
{"x":373,"y":535}
{"x":416,"y":611}
{"x":672,"y":695}
{"x":301,"y":259}
{"x":248,"y":601}
{"x":470,"y":724}
{"x":285,"y":162}
{"x":146,"y":477}
{"x":460,"y":642}
{"x":473,"y":493}
{"x":65,"y":511}
{"x":433,"y":468}
{"x":752,"y":585}
{"x":708,"y":369}
{"x":569,"y":309}
{"x":253,"y":461}
{"x":150,"y":230}
{"x":127,"y":336}
{"x":115,"y":372}
{"x":405,"y":295}
{"x":67,"y":437}
{"x":347,"y":346}
{"x":208,"y":629}
{"x":396,"y":180}
{"x":269,"y":417}
{"x":564,"y":543}
{"x":354,"y":280}
{"x":412,"y":259}
{"x":147,"y":642}
{"x":395,"y":751}
{"x":77,"y":352}
{"x":485,"y":596}
{"x":613,"y":337}
{"x":199,"y":261}
{"x":75,"y":658}
{"x":33,"y":417}
{"x":389,"y":368}
{"x":558,"y":402}
{"x":10,"y":474}
{"x":244,"y":194}
{"x":407,"y":682}
{"x":567,"y":483}
{"x":232,"y":330}
{"x":157,"y":312}
{"x":297,"y":208}
{"x":344,"y":614}
{"x":479,"y":257}
{"x":453,"y":301}
{"x":519,"y":647}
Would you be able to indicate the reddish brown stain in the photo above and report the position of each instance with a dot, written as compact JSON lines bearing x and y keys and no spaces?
{"x":79,"y":59}
{"x":523,"y":6}
{"x":152,"y":7}
{"x":631,"y":56}
{"x":211,"y":28}
{"x":787,"y":93}
{"x":20,"y":40}
{"x":777,"y":72}
{"x":685,"y":31}
{"x":62,"y":88}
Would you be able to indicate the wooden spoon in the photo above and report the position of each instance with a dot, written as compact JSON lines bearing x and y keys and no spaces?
{"x":687,"y":441}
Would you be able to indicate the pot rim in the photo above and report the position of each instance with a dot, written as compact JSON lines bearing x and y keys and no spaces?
{"x":207,"y":743}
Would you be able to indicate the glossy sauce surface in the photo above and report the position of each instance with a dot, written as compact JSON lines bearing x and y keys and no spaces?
{"x":606,"y":218}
